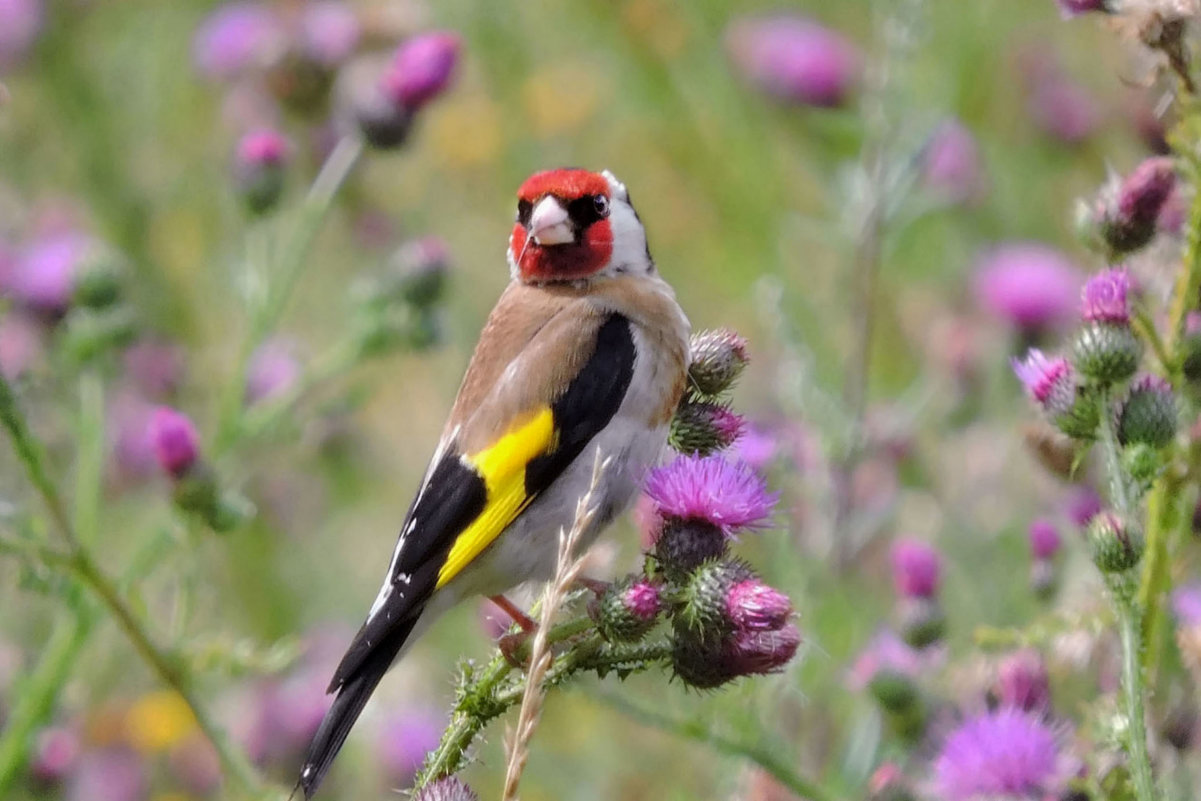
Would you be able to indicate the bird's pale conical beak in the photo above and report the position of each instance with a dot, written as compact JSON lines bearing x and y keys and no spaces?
{"x":549,"y":224}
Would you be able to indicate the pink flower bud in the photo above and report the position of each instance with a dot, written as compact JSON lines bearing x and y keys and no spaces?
{"x":422,"y":68}
{"x":1027,"y":284}
{"x":642,"y":601}
{"x":237,"y":37}
{"x":757,"y":653}
{"x":1105,"y":298}
{"x":56,"y":752}
{"x":951,"y":163}
{"x":1022,"y":682}
{"x":753,"y":606}
{"x":175,"y":441}
{"x":916,"y":568}
{"x":794,"y":59}
{"x":1050,"y":382}
{"x":1044,"y":539}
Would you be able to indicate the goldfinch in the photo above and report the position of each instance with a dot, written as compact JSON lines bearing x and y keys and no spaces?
{"x":586,"y":351}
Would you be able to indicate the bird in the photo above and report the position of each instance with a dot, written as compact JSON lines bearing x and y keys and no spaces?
{"x":584,"y":357}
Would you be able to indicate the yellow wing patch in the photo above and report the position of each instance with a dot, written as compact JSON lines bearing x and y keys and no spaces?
{"x":502,"y":466}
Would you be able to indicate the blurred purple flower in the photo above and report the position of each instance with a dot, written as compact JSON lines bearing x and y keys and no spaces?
{"x":329,"y":31}
{"x":450,"y":788}
{"x":1186,"y":604}
{"x":20,"y":22}
{"x":1072,"y":8}
{"x":155,"y":367}
{"x":404,"y":740}
{"x":273,"y":371}
{"x":916,"y":568}
{"x":888,"y":653}
{"x":195,"y":764}
{"x":1061,"y":108}
{"x":1044,"y":539}
{"x":235,"y":38}
{"x":291,"y":711}
{"x":730,"y":495}
{"x":754,"y":606}
{"x":262,"y":147}
{"x":1027,"y":284}
{"x":1004,"y":754}
{"x":951,"y":163}
{"x":422,"y":68}
{"x":756,"y":447}
{"x":794,"y":59}
{"x":20,"y":344}
{"x":55,"y":755}
{"x":44,"y":276}
{"x":175,"y":440}
{"x":1022,"y":681}
{"x":108,"y":775}
{"x":132,"y":451}
{"x":1104,"y":297}
{"x":1083,"y":504}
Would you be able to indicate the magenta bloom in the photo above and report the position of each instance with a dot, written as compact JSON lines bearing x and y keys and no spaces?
{"x":642,"y":600}
{"x":755,"y":652}
{"x":1022,"y":682}
{"x":329,"y":31}
{"x":1073,"y":8}
{"x":754,"y":606}
{"x":55,"y":755}
{"x":1146,"y":189}
{"x":1027,"y":284}
{"x":273,"y":371}
{"x":1044,"y":539}
{"x":264,"y":147}
{"x":794,"y":59}
{"x":757,"y":447}
{"x":235,"y":38}
{"x":1051,"y":383}
{"x":403,"y":742}
{"x":422,"y":68}
{"x":1062,"y":109}
{"x":44,"y":276}
{"x":1186,"y":604}
{"x":1104,"y":297}
{"x":175,"y":441}
{"x":20,"y":22}
{"x":1083,"y":504}
{"x":112,"y":774}
{"x":1004,"y":754}
{"x":730,"y":495}
{"x":951,"y":163}
{"x":916,"y":568}
{"x":887,"y":653}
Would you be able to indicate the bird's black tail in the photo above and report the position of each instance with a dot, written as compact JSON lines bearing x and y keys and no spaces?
{"x":347,"y":706}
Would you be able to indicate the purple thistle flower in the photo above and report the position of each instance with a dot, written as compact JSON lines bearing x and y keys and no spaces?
{"x":1104,"y":298}
{"x":1027,"y":284}
{"x":1003,"y":754}
{"x":1022,"y":682}
{"x":730,"y":495}
{"x":422,"y":68}
{"x":403,"y":742}
{"x":175,"y":441}
{"x":329,"y":31}
{"x":1051,"y":383}
{"x":1044,"y":539}
{"x":1083,"y":504}
{"x":112,"y":774}
{"x":753,"y":652}
{"x":450,"y":788}
{"x":1186,"y":604}
{"x":916,"y":568}
{"x":754,"y":606}
{"x":794,"y":59}
{"x":951,"y":163}
{"x":642,"y":600}
{"x":1074,"y":8}
{"x":44,"y":276}
{"x":55,"y":755}
{"x":756,"y":447}
{"x":20,"y":23}
{"x":272,"y":372}
{"x":262,"y":148}
{"x":237,"y":37}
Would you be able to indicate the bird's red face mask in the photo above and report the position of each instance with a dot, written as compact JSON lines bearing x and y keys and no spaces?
{"x":562,"y":231}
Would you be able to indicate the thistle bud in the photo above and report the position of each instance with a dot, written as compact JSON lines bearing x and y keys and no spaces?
{"x":1116,"y":545}
{"x":706,"y":610}
{"x":717,"y":360}
{"x":98,"y":278}
{"x":683,"y":545}
{"x":418,"y":272}
{"x":361,"y":98}
{"x":1053,"y":385}
{"x":449,"y":788}
{"x":55,"y":755}
{"x":1143,"y":462}
{"x":923,"y":621}
{"x":175,"y":441}
{"x":1127,"y":211}
{"x":421,"y":69}
{"x":754,"y":606}
{"x":1044,"y":539}
{"x":259,"y":169}
{"x":894,"y":691}
{"x":916,"y":569}
{"x":627,"y":610}
{"x":1149,"y":414}
{"x":1022,"y":682}
{"x":701,"y":427}
{"x":1044,"y":579}
{"x":1105,"y":298}
{"x":706,"y":664}
{"x":1106,"y":353}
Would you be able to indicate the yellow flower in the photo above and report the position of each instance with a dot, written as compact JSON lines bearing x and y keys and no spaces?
{"x":158,"y":721}
{"x":561,"y":99}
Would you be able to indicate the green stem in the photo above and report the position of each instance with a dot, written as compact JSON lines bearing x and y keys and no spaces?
{"x":1120,"y":490}
{"x":1129,"y":624}
{"x":779,"y":768}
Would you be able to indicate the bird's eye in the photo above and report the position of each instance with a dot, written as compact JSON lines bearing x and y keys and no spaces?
{"x":524,"y":210}
{"x":600,"y":205}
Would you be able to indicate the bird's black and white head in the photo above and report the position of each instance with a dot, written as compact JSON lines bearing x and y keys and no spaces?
{"x":575,"y":224}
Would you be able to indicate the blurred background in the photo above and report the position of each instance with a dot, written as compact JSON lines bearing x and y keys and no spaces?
{"x":886,"y":217}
